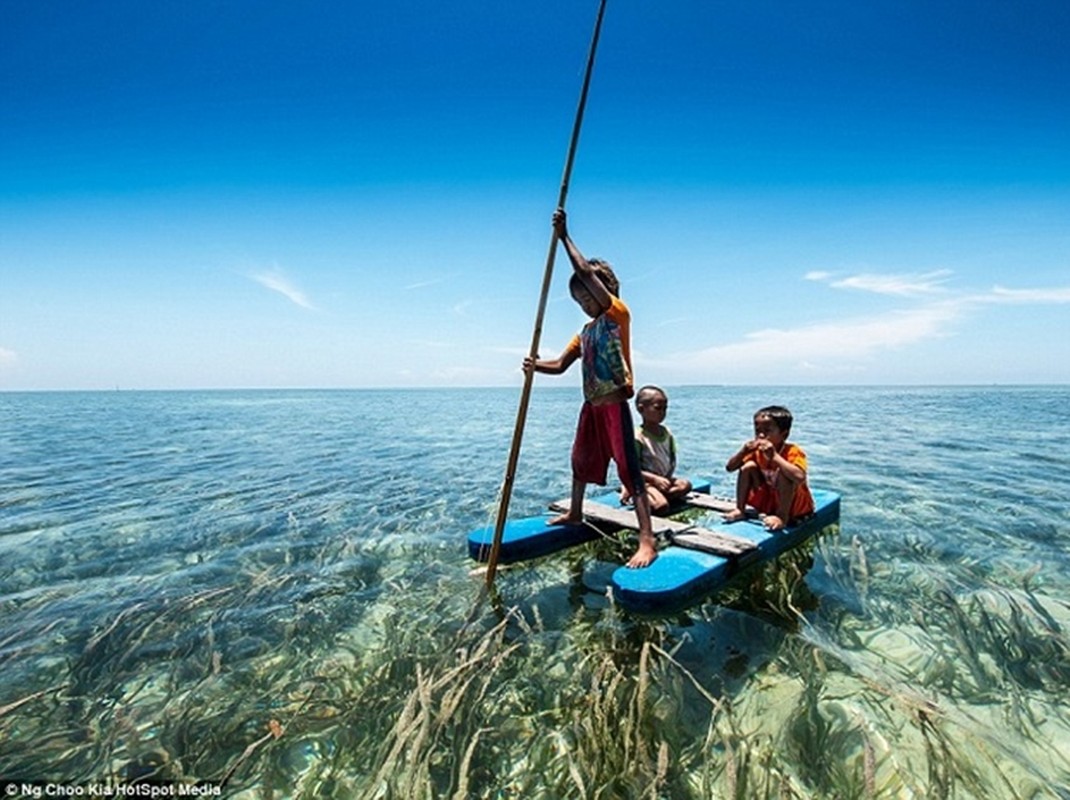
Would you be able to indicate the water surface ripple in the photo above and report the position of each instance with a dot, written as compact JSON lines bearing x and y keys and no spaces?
{"x":272,"y":589}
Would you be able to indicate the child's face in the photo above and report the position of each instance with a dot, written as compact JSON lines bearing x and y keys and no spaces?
{"x":766,"y":428}
{"x":653,"y":409}
{"x":586,"y":301}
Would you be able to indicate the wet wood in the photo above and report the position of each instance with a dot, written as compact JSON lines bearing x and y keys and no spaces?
{"x":702,"y":500}
{"x":711,"y":541}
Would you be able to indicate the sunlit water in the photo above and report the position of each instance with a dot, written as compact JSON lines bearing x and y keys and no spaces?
{"x":272,"y":590}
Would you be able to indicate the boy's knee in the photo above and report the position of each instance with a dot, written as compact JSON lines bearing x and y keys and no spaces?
{"x":784,"y":483}
{"x":749,"y":473}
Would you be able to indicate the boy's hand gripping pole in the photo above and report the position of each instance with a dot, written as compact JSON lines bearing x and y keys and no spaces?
{"x":525,"y":394}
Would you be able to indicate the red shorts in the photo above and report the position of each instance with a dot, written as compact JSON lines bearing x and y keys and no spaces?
{"x":606,"y":432}
{"x":764,"y":500}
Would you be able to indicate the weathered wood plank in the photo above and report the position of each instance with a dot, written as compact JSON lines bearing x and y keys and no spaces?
{"x":722,"y":543}
{"x":702,"y":500}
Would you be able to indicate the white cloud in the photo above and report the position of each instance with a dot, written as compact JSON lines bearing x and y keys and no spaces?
{"x":844,"y":343}
{"x":672,"y":322}
{"x":276,"y":281}
{"x":424,"y":284}
{"x":999,"y":294}
{"x":823,"y":343}
{"x":7,"y":357}
{"x":903,"y":285}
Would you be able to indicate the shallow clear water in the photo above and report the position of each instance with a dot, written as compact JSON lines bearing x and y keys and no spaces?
{"x":272,"y":589}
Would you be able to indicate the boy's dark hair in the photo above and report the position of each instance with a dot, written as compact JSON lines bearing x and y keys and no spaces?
{"x":603,"y":271}
{"x":648,"y":389}
{"x":606,"y":274}
{"x":780,"y":416}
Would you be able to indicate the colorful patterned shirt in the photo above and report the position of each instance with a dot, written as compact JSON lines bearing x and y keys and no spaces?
{"x":604,"y":345}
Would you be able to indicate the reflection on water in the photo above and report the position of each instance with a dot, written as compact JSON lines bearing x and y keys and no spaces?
{"x":272,"y":589}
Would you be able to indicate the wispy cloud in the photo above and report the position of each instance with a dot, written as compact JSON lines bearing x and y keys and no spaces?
{"x":7,"y":357}
{"x":424,"y":284}
{"x":847,"y":342}
{"x":902,"y":285}
{"x":1000,"y":294}
{"x":674,"y":321}
{"x":276,"y":281}
{"x":824,"y":342}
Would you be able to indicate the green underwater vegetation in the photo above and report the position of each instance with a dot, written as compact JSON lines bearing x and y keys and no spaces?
{"x":740,"y":697}
{"x":254,"y":592}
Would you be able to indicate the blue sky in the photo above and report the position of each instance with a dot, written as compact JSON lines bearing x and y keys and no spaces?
{"x":267,"y":194}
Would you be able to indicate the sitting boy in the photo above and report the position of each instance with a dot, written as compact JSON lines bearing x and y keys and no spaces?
{"x":657,"y":452}
{"x":772,"y":472}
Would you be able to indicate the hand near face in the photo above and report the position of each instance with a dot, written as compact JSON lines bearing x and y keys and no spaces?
{"x":766,"y":448}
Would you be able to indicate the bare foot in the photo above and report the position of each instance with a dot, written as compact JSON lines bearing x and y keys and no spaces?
{"x":565,"y":519}
{"x":735,"y":515}
{"x":643,"y":557}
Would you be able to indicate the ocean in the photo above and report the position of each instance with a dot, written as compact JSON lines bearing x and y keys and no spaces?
{"x":267,"y":594}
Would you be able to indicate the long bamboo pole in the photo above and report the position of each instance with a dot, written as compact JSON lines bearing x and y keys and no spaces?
{"x":525,"y":394}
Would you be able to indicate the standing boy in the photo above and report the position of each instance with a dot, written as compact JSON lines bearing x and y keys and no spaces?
{"x":605,"y":428}
{"x":772,"y":472}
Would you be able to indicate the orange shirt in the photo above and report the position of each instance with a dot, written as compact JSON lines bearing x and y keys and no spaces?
{"x":764,"y":498}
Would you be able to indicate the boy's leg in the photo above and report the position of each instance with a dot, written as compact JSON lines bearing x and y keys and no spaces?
{"x":785,"y":497}
{"x":746,"y":481}
{"x":681,"y":487}
{"x":647,"y":551}
{"x":586,"y":457}
{"x":658,"y":503}
{"x":574,"y":515}
{"x":621,"y":438}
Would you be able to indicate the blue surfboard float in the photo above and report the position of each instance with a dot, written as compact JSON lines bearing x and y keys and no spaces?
{"x":700,"y":557}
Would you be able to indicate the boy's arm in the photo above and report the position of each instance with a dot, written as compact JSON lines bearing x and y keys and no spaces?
{"x":796,"y":472}
{"x":740,"y":456}
{"x":580,"y":265}
{"x":659,"y":482}
{"x":552,"y":366}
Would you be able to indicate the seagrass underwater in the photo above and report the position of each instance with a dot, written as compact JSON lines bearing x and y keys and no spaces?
{"x":269,"y":592}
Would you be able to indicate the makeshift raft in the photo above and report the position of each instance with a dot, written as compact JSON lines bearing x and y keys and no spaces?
{"x":532,"y":537}
{"x":681,"y":575}
{"x":698,"y":560}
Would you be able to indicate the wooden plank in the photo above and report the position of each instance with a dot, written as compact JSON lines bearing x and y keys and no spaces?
{"x":723,"y":543}
{"x":599,"y":512}
{"x":708,"y":541}
{"x":693,"y":499}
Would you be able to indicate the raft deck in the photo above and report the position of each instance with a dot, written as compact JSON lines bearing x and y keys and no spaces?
{"x":680,"y":576}
{"x":533,"y":537}
{"x":697,"y":561}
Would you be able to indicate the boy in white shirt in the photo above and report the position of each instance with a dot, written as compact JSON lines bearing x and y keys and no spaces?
{"x":657,"y":452}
